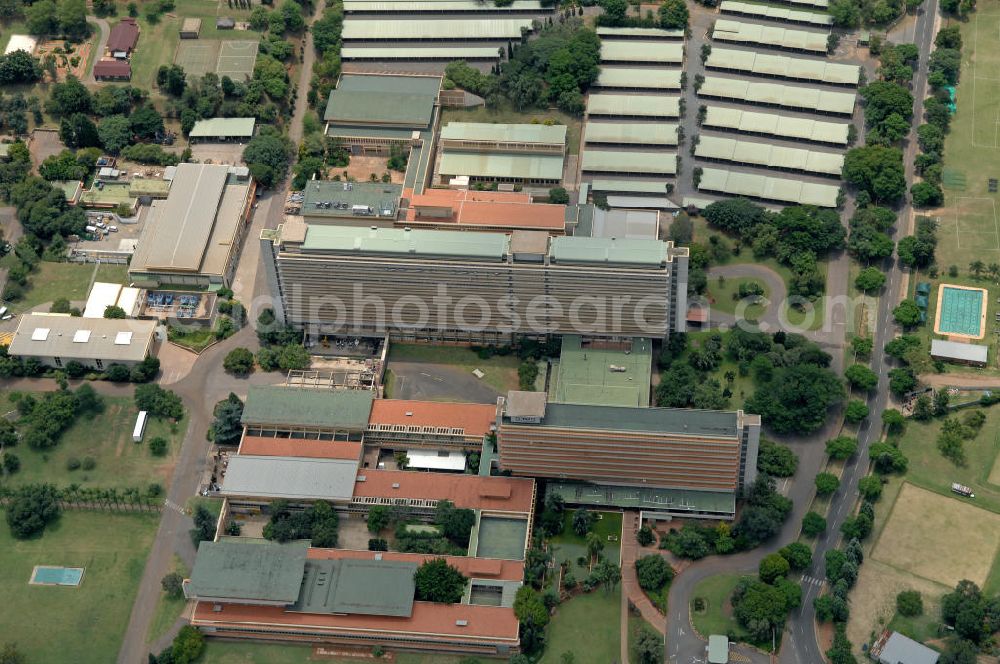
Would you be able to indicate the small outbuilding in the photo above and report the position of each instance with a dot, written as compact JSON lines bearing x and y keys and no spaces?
{"x":899,"y":649}
{"x":952,"y":351}
{"x":112,"y":70}
{"x":221,"y":130}
{"x":224,"y":23}
{"x":191,"y":28}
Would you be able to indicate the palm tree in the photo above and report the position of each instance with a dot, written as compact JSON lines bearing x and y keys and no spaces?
{"x":977,"y":267}
{"x":994,"y":270}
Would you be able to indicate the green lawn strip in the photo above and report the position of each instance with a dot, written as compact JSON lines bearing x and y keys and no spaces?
{"x":568,"y":546}
{"x":930,"y":470}
{"x":107,"y":438}
{"x":10,"y":28}
{"x":234,"y":652}
{"x":589,"y":626}
{"x":84,"y":624}
{"x":992,"y":585}
{"x":635,"y":623}
{"x":168,"y":609}
{"x":214,"y":505}
{"x":509,"y":115}
{"x":920,"y":628}
{"x":52,"y":281}
{"x":500,"y":370}
{"x":196,"y":340}
{"x":717,"y":616}
{"x":725,"y":296}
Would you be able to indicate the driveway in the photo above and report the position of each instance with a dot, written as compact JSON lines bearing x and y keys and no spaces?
{"x":102,"y":42}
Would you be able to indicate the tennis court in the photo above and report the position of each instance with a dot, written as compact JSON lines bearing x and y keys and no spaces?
{"x":961,"y":311}
{"x":44,"y":575}
{"x":605,"y":374}
{"x":234,"y":59}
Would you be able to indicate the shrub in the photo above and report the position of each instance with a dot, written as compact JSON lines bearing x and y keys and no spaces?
{"x":158,"y":446}
{"x":909,"y":603}
{"x":72,"y":464}
{"x":88,"y":463}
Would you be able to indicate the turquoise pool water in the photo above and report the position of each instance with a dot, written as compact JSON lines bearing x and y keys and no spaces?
{"x":961,"y":311}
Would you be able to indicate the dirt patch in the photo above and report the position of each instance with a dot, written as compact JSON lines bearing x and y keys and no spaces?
{"x":923,"y":531}
{"x":362,"y":167}
{"x":44,"y":143}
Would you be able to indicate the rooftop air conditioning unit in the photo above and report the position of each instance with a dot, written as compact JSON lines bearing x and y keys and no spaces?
{"x":395,"y":485}
{"x":462,"y":623}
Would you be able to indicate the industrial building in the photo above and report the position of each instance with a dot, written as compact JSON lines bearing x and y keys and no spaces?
{"x":359,"y":203}
{"x":782,"y":66}
{"x":661,"y":460}
{"x":523,"y":283}
{"x":778,"y":190}
{"x":767,"y":155}
{"x":192,"y":238}
{"x":771,"y":37}
{"x":775,"y":13}
{"x":648,"y":107}
{"x":778,"y":126}
{"x":782,"y":96}
{"x":221,"y":130}
{"x":640,"y":134}
{"x":529,"y":154}
{"x":471,"y":7}
{"x":56,"y":339}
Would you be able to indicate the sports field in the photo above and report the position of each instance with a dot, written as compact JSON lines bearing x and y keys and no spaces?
{"x":234,"y":59}
{"x":969,"y":223}
{"x":939,"y":538}
{"x":594,"y":375}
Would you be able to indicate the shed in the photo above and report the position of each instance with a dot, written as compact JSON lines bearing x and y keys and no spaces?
{"x":899,"y":649}
{"x":952,"y":351}
{"x":115,"y":70}
{"x":223,"y":129}
{"x":190,"y":28}
{"x":224,"y":23}
{"x":718,"y":649}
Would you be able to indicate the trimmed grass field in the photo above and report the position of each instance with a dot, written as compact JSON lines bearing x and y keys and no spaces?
{"x":507,"y":115}
{"x":86,"y":624}
{"x":589,"y":626}
{"x":500,"y":370}
{"x":72,"y":281}
{"x":937,"y":538}
{"x":570,"y":546}
{"x":717,"y":618}
{"x":725,"y":296}
{"x":120,"y":462}
{"x":969,"y":227}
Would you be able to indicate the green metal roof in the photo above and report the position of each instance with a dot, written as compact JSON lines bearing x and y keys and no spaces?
{"x":392,"y":133}
{"x":631,"y":132}
{"x":431,"y":29}
{"x":673,"y":500}
{"x":640,"y":32}
{"x":274,"y":404}
{"x":639,"y":78}
{"x":785,"y":190}
{"x":718,"y":649}
{"x":248,"y":570}
{"x":642,"y":51}
{"x":374,"y":99}
{"x":352,"y":586}
{"x":504,"y":133}
{"x":612,"y":161}
{"x":576,"y":249}
{"x":775,"y":13}
{"x":653,"y":106}
{"x":420,"y":53}
{"x":226,"y":127}
{"x":409,"y":243}
{"x":769,"y":64}
{"x":502,"y":165}
{"x":768,"y":155}
{"x":776,"y":125}
{"x":657,"y":420}
{"x":630,"y":186}
{"x":753,"y":33}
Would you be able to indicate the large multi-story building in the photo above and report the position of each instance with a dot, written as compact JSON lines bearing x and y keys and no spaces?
{"x":415,"y":284}
{"x":661,"y":460}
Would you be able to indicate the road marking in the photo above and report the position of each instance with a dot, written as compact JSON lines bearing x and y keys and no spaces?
{"x":174,"y":506}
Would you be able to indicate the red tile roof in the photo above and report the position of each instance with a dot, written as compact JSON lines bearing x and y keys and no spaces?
{"x":112,"y":69}
{"x":124,"y":35}
{"x":504,"y":570}
{"x":295,"y":447}
{"x":474,"y":418}
{"x":503,"y":494}
{"x":487,"y":208}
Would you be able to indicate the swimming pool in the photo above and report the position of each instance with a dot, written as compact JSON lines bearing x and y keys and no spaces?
{"x":961,"y":311}
{"x":44,"y":575}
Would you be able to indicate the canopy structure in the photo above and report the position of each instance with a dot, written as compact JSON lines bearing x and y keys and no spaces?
{"x":772,"y":124}
{"x":769,"y":156}
{"x":773,"y":94}
{"x":783,"y":190}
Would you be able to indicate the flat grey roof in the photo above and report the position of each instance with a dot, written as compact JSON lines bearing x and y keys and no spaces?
{"x":248,"y":570}
{"x":785,"y":190}
{"x":631,"y":133}
{"x":957,"y":351}
{"x":899,"y":649}
{"x":768,"y":155}
{"x":431,"y":29}
{"x":614,"y":161}
{"x":71,"y":337}
{"x":638,"y":78}
{"x":776,"y":125}
{"x":307,"y":407}
{"x":223,"y":127}
{"x":775,"y":94}
{"x":381,"y":198}
{"x":631,"y":224}
{"x":630,"y":186}
{"x":682,"y":421}
{"x":662,"y":52}
{"x":770,"y":64}
{"x":754,"y":33}
{"x":415,"y":243}
{"x":290,"y":478}
{"x":653,"y":106}
{"x":775,"y":13}
{"x":497,"y":164}
{"x":503,"y":132}
{"x":357,"y":586}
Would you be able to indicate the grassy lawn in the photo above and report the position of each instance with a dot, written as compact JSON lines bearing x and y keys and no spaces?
{"x":589,"y":626}
{"x":70,"y":280}
{"x":742,"y":386}
{"x":196,"y":340}
{"x":570,"y":546}
{"x":919,"y":628}
{"x":120,"y":462}
{"x":717,"y":618}
{"x":228,"y":652}
{"x":507,"y":115}
{"x":8,"y":28}
{"x":50,"y":622}
{"x":168,"y":609}
{"x":500,"y":370}
{"x":725,"y":296}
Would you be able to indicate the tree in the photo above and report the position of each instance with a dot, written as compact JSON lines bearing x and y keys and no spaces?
{"x":877,"y":170}
{"x":79,"y":131}
{"x":861,"y":377}
{"x":173,"y":585}
{"x":907,"y":313}
{"x":41,"y":18}
{"x":226,"y":428}
{"x":870,"y":278}
{"x":158,"y":401}
{"x":870,"y":487}
{"x":759,"y":607}
{"x":72,"y":18}
{"x":158,"y":446}
{"x":583,"y":520}
{"x":673,"y":15}
{"x":845,"y":13}
{"x":68,"y":97}
{"x":884,"y":98}
{"x":855,"y":411}
{"x":239,"y":362}
{"x":31,"y":509}
{"x":608,"y":574}
{"x":926,"y":194}
{"x":456,"y":524}
{"x":19,"y":67}
{"x":959,"y":651}
{"x":558,"y":195}
{"x":776,"y":460}
{"x":204,"y":525}
{"x":893,"y":420}
{"x":437,"y":581}
{"x":648,"y":646}
{"x":902,"y":380}
{"x":826,"y":483}
{"x":114,"y":311}
{"x":379,"y":517}
{"x":267,"y":156}
{"x":813,"y":524}
{"x":645,"y":536}
{"x":888,"y":458}
{"x":909,"y":603}
{"x":773,"y":567}
{"x":11,"y":655}
{"x":188,"y":645}
{"x":841,"y":447}
{"x":797,"y":398}
{"x":171,"y":79}
{"x":840,"y":650}
{"x":115,"y":133}
{"x":146,"y":122}
{"x":594,"y":545}
{"x":798,"y":555}
{"x":653,"y":572}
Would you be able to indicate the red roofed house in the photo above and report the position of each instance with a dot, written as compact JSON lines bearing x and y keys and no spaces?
{"x":112,"y":70}
{"x":123,"y":38}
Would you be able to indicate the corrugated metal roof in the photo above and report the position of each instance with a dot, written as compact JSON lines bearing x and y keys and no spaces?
{"x":631,"y":132}
{"x":248,"y":570}
{"x":402,"y":6}
{"x":630,"y":186}
{"x":70,"y":337}
{"x":753,"y":33}
{"x":473,"y":28}
{"x":769,"y":64}
{"x":639,"y":78}
{"x":784,"y":190}
{"x":775,"y":13}
{"x":611,"y":161}
{"x":333,"y":409}
{"x":504,"y":133}
{"x":684,"y":421}
{"x":642,"y":51}
{"x":365,"y":587}
{"x":958,"y":351}
{"x":768,"y":155}
{"x":579,"y":249}
{"x":226,"y":127}
{"x":639,"y":32}
{"x":653,"y":106}
{"x":413,"y":243}
{"x":899,"y":649}
{"x":420,"y":53}
{"x":776,"y":125}
{"x":501,"y":165}
{"x":370,"y":99}
{"x":778,"y":95}
{"x":290,"y":478}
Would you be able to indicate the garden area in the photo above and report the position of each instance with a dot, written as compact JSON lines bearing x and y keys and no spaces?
{"x":87,"y":623}
{"x":588,"y":626}
{"x":52,"y":281}
{"x":711,"y":608}
{"x":580,"y":550}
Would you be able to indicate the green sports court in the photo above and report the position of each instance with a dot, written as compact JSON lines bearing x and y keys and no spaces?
{"x":234,"y":59}
{"x":603,"y":373}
